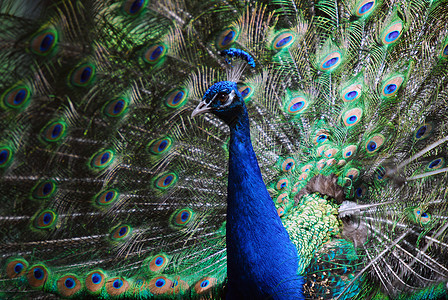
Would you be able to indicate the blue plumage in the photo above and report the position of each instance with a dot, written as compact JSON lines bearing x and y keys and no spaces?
{"x":261,"y":259}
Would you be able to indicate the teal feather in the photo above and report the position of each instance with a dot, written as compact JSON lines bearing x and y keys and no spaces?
{"x":110,"y":189}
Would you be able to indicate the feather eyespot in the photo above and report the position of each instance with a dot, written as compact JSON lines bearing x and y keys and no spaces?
{"x":371,"y":146}
{"x":331,"y":162}
{"x":436,"y":164}
{"x":181,"y":217}
{"x":68,"y":285}
{"x":45,"y":220}
{"x":365,"y":8}
{"x":166,"y":181}
{"x":352,"y":93}
{"x":331,"y":152}
{"x":423,"y":131}
{"x":121,"y":233}
{"x":246,"y":92}
{"x":159,"y":285}
{"x":282,"y":198}
{"x":350,"y":96}
{"x":204,"y":284}
{"x":16,"y":268}
{"x":178,"y":285}
{"x":160,"y":282}
{"x":307,"y":168}
{"x":116,"y":286}
{"x":352,"y":173}
{"x":44,"y":42}
{"x":280,"y":211}
{"x":44,"y":190}
{"x":444,"y":53}
{"x":288,"y":165}
{"x":102,"y":159}
{"x":352,"y":117}
{"x":134,"y":7}
{"x":342,"y":162}
{"x":155,"y":53}
{"x":321,"y":137}
{"x":54,"y":131}
{"x":226,"y":38}
{"x":116,"y":107}
{"x":37,"y":276}
{"x":421,"y":217}
{"x":392,"y":33}
{"x":16,"y":97}
{"x":349,"y":151}
{"x":95,"y":281}
{"x":107,"y":197}
{"x":296,"y":105}
{"x":283,"y":40}
{"x":160,"y":146}
{"x":158,"y":263}
{"x":361,"y":191}
{"x":303,"y":176}
{"x":282,"y":184}
{"x":391,"y":86}
{"x":374,"y":143}
{"x":321,"y":149}
{"x":330,"y":62}
{"x":83,"y":75}
{"x":176,"y":98}
{"x":118,"y":283}
{"x":321,"y":164}
{"x":6,"y":155}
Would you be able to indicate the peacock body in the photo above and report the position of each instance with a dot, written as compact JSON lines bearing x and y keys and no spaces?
{"x":316,"y":170}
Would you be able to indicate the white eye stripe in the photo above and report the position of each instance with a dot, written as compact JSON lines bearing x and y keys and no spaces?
{"x":230,"y":100}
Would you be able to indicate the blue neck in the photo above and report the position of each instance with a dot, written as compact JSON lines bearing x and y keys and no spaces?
{"x":261,"y":259}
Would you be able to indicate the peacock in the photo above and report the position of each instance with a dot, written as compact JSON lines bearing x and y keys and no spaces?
{"x":184,"y":149}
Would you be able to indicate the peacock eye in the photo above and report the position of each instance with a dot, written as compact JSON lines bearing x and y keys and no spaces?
{"x":222,"y":97}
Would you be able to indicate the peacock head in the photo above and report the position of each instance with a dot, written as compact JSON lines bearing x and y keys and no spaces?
{"x":223,"y":100}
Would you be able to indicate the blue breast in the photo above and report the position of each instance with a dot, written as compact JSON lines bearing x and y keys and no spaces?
{"x":261,"y":259}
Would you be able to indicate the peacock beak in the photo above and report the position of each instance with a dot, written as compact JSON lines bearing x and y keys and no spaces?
{"x":201,"y":108}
